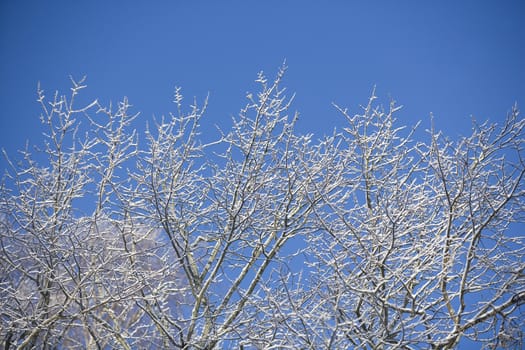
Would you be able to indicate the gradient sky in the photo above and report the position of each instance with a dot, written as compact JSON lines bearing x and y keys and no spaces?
{"x":455,"y":59}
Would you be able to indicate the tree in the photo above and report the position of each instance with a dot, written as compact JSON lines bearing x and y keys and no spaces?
{"x":263,"y":238}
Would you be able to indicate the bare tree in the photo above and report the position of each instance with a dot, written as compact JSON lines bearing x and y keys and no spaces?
{"x":263,"y":238}
{"x":419,"y":244}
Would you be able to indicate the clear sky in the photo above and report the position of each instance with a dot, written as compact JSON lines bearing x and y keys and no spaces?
{"x":450,"y":58}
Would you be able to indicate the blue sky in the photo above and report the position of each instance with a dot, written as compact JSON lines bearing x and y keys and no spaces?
{"x":455,"y":59}
{"x":452,"y":58}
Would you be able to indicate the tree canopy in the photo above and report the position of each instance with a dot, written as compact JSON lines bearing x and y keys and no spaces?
{"x":368,"y":238}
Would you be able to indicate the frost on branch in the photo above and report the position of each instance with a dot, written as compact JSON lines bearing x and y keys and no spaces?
{"x":368,"y":238}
